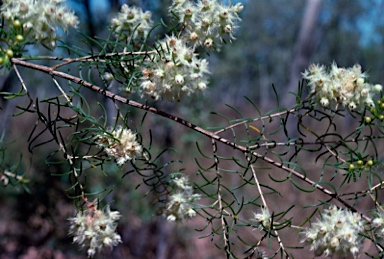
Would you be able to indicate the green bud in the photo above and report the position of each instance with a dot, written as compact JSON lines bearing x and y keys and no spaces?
{"x":19,"y":38}
{"x":351,"y":167}
{"x":369,"y":163}
{"x":9,"y":53}
{"x":381,"y":117}
{"x":16,"y":24}
{"x":360,"y":163}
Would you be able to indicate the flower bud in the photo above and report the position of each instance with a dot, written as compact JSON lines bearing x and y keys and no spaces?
{"x":228,"y":28}
{"x":202,"y":86}
{"x":360,"y":81}
{"x":193,"y":36}
{"x":238,"y":7}
{"x":352,"y":106}
{"x":378,"y":87}
{"x":179,"y":79}
{"x":208,"y":42}
{"x":324,"y":102}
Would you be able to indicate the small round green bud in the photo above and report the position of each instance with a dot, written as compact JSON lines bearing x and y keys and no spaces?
{"x":373,"y":110}
{"x":19,"y":38}
{"x":9,"y":53}
{"x":382,"y":105}
{"x":367,"y":119}
{"x":5,"y":59}
{"x":359,"y":162}
{"x":369,"y":163}
{"x":381,"y":117}
{"x":16,"y":24}
{"x":379,"y":102}
{"x":1,"y":60}
{"x":351,"y":167}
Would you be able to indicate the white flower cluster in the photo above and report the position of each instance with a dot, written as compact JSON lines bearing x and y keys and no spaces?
{"x":346,"y":86}
{"x":132,"y":22}
{"x":40,"y":18}
{"x":337,"y":232}
{"x":263,"y":219}
{"x":121,"y":144}
{"x":95,"y":229}
{"x":207,"y":22}
{"x":180,"y":203}
{"x":176,"y":70}
{"x":378,"y":225}
{"x":180,"y":72}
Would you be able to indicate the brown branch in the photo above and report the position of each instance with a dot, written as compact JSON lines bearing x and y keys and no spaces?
{"x":188,"y":124}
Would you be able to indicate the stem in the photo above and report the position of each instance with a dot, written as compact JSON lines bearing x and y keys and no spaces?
{"x":188,"y":124}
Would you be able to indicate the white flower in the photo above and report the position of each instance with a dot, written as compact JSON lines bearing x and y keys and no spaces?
{"x":94,"y":229}
{"x":180,"y":204}
{"x":344,"y":86}
{"x":108,"y":76}
{"x":179,"y":79}
{"x":207,"y":21}
{"x":262,"y":219}
{"x":182,"y":183}
{"x":324,"y":102}
{"x":178,"y":72}
{"x":208,"y":42}
{"x":121,"y":144}
{"x":171,"y":218}
{"x":378,"y":224}
{"x":40,"y":18}
{"x":378,"y":87}
{"x":131,"y":21}
{"x":337,"y":232}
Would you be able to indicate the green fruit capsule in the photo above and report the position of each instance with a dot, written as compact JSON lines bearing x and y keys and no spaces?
{"x":16,"y":24}
{"x":367,"y":119}
{"x":381,"y":117}
{"x":369,"y":163}
{"x":351,"y":167}
{"x":9,"y":53}
{"x":19,"y":38}
{"x":360,"y":163}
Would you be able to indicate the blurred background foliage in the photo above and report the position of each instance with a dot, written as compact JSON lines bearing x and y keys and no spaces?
{"x":267,"y":51}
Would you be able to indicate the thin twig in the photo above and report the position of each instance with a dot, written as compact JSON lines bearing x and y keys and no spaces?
{"x":62,"y":147}
{"x":62,"y":91}
{"x":188,"y":124}
{"x":255,"y":119}
{"x":219,"y":198}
